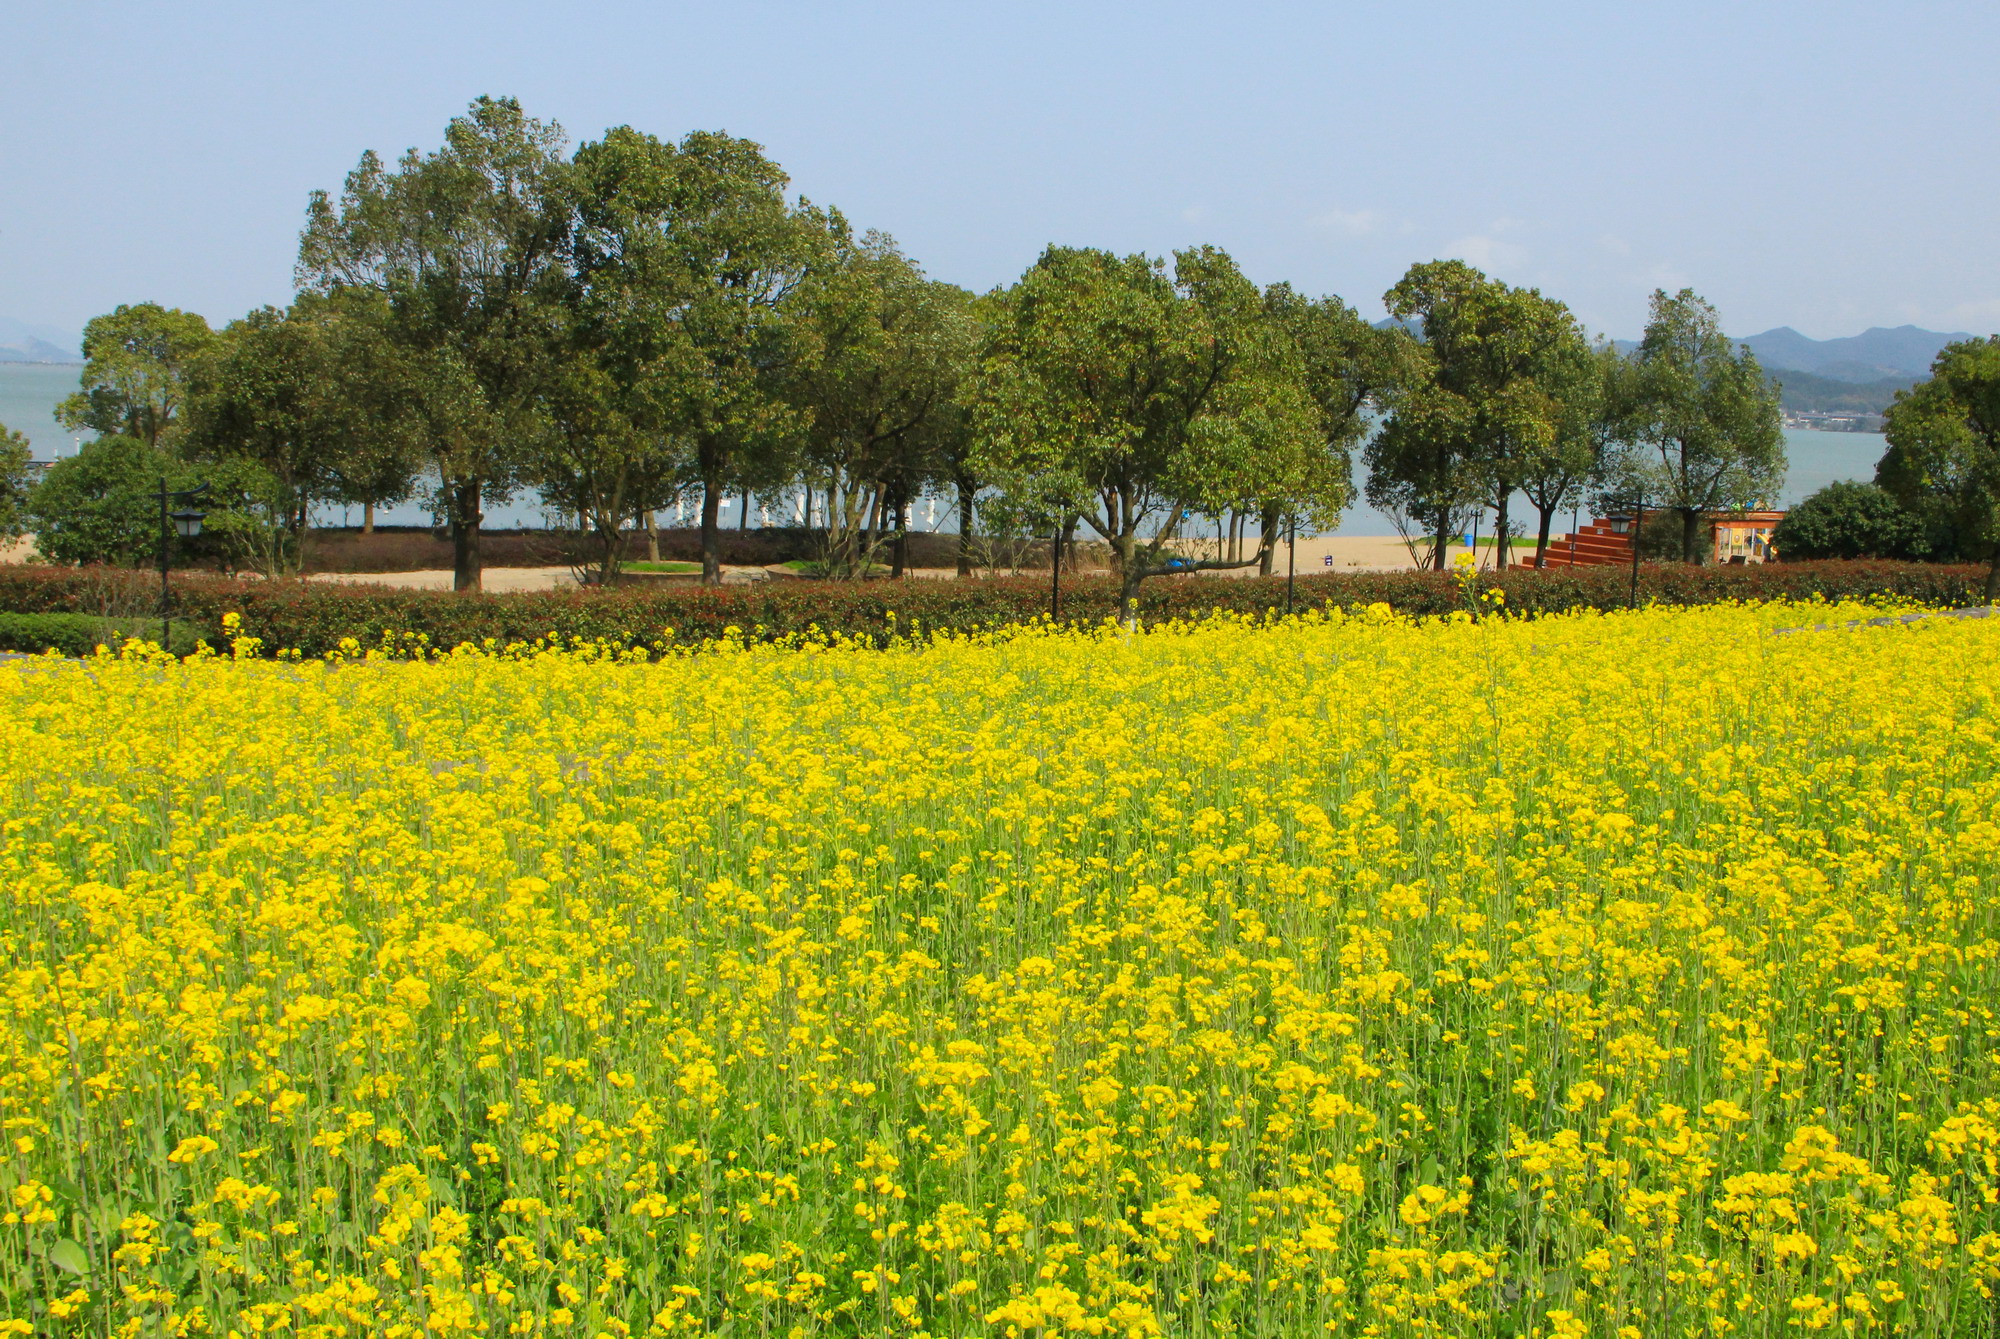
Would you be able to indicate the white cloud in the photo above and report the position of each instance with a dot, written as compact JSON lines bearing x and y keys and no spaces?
{"x":1617,"y":246}
{"x":1488,"y":253}
{"x":1353,"y":222}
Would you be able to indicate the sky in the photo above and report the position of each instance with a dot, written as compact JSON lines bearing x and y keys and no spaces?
{"x":1827,"y":166}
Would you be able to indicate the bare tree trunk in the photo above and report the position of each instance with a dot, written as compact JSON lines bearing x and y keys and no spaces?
{"x":1267,"y":535}
{"x":652,"y":536}
{"x":368,"y":518}
{"x":465,"y":519}
{"x":1443,"y":538}
{"x":1069,"y":544}
{"x":711,"y":534}
{"x":899,"y":548}
{"x":1542,"y":536}
{"x":964,"y":531}
{"x":1503,"y":533}
{"x":1691,"y":535}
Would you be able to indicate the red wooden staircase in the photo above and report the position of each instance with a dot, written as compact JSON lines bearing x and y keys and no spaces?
{"x":1602,"y":543}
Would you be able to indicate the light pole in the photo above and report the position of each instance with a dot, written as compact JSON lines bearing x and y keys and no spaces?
{"x":1638,"y":515}
{"x":187,"y":524}
{"x":1291,"y":563}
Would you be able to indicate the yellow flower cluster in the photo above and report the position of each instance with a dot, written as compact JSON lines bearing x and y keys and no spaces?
{"x":1600,"y":975}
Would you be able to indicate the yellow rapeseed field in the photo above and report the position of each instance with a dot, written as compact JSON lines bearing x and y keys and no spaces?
{"x":1619,"y":975}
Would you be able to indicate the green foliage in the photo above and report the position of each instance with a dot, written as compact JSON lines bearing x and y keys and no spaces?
{"x":102,"y":505}
{"x":466,"y":247}
{"x":1707,"y":433}
{"x":1503,"y":394}
{"x":82,"y":634}
{"x":687,"y":253}
{"x":15,"y":482}
{"x":313,"y":617}
{"x":136,"y":362}
{"x":1115,"y":393}
{"x":1943,"y":461}
{"x":878,"y":354}
{"x":1847,"y":519}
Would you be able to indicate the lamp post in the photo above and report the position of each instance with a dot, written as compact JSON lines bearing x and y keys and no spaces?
{"x":1638,"y":515}
{"x":187,"y":524}
{"x":1291,"y":562}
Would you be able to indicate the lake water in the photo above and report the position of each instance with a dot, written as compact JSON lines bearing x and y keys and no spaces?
{"x":29,"y":392}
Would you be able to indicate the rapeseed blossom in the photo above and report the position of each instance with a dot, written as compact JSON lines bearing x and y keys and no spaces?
{"x":1600,"y":975}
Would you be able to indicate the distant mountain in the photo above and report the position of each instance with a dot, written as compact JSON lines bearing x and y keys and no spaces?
{"x":25,"y":342}
{"x":28,"y":349}
{"x":1876,"y":354}
{"x":1810,"y":393}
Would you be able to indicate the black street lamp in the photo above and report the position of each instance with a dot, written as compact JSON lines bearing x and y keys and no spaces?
{"x":187,"y":524}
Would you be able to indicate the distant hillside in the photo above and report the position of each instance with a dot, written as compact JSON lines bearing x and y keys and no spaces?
{"x":1875,"y":355}
{"x":24,"y":342}
{"x":28,"y":349}
{"x":1803,"y":391}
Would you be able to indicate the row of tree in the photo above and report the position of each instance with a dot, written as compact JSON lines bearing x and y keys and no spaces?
{"x":638,"y":323}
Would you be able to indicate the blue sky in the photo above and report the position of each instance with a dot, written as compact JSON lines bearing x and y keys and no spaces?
{"x":1827,"y":166}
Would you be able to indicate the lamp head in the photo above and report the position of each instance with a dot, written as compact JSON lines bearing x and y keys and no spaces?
{"x":187,"y":524}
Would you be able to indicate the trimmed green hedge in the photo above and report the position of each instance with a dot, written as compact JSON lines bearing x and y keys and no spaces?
{"x":82,"y":634}
{"x":312,"y":617}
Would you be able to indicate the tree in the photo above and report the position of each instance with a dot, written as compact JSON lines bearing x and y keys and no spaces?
{"x":136,"y":361}
{"x":291,"y":391}
{"x":102,"y":505}
{"x":1345,"y":365}
{"x":879,"y":351}
{"x":1113,"y":392}
{"x":1487,"y":410}
{"x":467,"y":245}
{"x":1943,"y":461}
{"x":15,"y":473}
{"x":1593,"y":415}
{"x":1847,"y":519}
{"x":690,"y":252}
{"x":1708,"y":434}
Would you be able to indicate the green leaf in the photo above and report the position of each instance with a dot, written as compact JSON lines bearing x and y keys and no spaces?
{"x":66,"y":1254}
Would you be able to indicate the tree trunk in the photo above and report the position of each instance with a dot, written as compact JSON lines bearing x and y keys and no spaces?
{"x":743,"y":525}
{"x":1691,"y":535}
{"x":465,"y":519}
{"x":899,"y":548}
{"x":368,"y":518}
{"x":964,"y":531}
{"x":1443,"y":538}
{"x":1502,"y":533}
{"x":652,"y":536}
{"x":1069,"y":544}
{"x":1267,"y":535}
{"x":711,"y":533}
{"x":1542,"y":536}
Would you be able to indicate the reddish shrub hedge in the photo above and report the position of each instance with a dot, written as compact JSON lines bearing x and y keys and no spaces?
{"x":312,"y":617}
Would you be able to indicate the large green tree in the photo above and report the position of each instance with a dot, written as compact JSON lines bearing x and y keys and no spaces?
{"x":1345,"y":366}
{"x":102,"y":505}
{"x":15,"y":481}
{"x":1112,"y":391}
{"x":136,"y":364}
{"x":1594,"y":404}
{"x":1484,"y":411}
{"x":689,"y":253}
{"x":1943,"y":459}
{"x":879,"y":352}
{"x":1707,"y":432}
{"x":468,"y":245}
{"x":294,"y":390}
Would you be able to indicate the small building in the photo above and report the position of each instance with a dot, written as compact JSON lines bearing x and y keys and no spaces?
{"x":1744,"y":536}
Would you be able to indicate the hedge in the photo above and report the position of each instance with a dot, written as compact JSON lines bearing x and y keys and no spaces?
{"x":313,"y":617}
{"x":82,"y":634}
